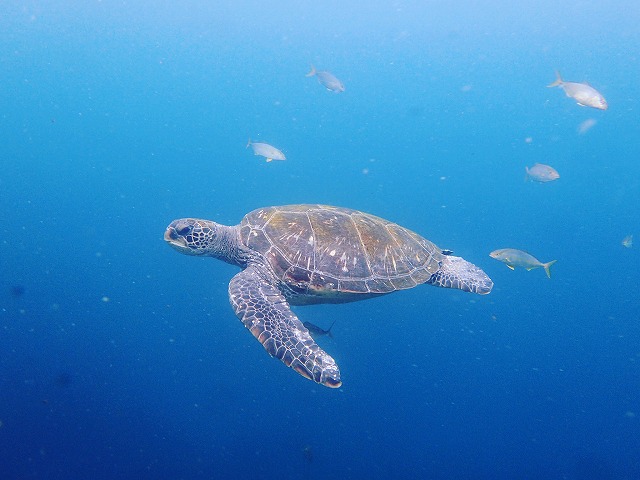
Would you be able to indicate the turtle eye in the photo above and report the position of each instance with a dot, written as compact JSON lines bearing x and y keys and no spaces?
{"x":183,"y":230}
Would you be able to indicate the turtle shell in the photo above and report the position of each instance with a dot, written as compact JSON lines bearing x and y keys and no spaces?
{"x":323,"y":250}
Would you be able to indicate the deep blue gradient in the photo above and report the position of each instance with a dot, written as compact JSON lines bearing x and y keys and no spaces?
{"x":122,"y":358}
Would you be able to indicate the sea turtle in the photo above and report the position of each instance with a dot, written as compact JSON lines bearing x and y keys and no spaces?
{"x":305,"y":254}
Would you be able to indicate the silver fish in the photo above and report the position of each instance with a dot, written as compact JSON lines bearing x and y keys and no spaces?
{"x":542,"y":173}
{"x":265,"y":150}
{"x":327,"y":80}
{"x":517,"y":258}
{"x":584,"y":94}
{"x":317,"y":331}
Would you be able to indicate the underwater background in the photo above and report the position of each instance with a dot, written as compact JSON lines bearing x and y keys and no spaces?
{"x":120,"y":358}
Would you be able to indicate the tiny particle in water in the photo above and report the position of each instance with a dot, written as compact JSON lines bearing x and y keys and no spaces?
{"x":64,"y":379}
{"x":528,"y":140}
{"x":585,"y":126}
{"x":105,"y":299}
{"x":17,"y":291}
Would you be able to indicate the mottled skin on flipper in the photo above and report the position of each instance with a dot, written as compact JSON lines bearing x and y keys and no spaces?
{"x":266,"y":313}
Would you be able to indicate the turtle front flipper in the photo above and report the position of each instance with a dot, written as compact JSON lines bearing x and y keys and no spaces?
{"x":266,"y":313}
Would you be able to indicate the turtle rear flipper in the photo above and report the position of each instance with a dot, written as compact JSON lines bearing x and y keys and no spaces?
{"x":456,"y":272}
{"x":266,"y":313}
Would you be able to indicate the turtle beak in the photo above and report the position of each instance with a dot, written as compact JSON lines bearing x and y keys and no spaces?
{"x":173,"y":239}
{"x":170,"y":234}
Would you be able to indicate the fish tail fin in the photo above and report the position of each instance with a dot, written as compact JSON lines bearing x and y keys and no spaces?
{"x":547,"y":267}
{"x":329,"y":334}
{"x":558,"y":81}
{"x":248,"y":143}
{"x":312,"y":72}
{"x":526,"y":175}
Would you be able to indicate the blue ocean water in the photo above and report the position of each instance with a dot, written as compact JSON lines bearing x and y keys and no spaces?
{"x":120,"y":358}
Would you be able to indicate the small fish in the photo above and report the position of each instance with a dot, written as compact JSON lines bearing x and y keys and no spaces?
{"x":517,"y":258}
{"x":265,"y":150}
{"x":541,"y":173}
{"x":307,"y":452}
{"x":627,"y":241}
{"x":584,"y":94}
{"x":327,"y":80}
{"x":316,"y":331}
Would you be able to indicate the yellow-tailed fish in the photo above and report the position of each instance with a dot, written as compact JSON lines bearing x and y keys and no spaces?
{"x":517,"y":258}
{"x":583,"y":93}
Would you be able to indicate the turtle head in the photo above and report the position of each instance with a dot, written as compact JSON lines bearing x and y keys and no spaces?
{"x":192,"y":236}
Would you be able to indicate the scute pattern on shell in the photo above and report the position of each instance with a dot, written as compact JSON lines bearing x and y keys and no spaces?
{"x":322,"y":249}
